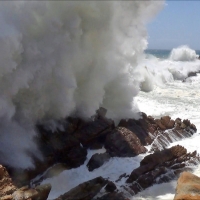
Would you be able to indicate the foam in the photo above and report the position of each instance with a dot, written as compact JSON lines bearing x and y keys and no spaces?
{"x":68,"y":58}
{"x":183,"y":53}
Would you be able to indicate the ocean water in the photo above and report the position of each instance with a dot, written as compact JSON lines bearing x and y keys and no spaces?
{"x":63,"y":58}
{"x":174,"y":97}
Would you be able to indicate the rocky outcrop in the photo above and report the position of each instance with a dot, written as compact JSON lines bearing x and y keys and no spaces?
{"x":110,"y":187}
{"x":161,"y":166}
{"x":39,"y":193}
{"x":6,"y":185}
{"x":181,"y":129}
{"x":8,"y":191}
{"x":67,"y":145}
{"x":188,"y":187}
{"x":84,"y":191}
{"x":97,"y":160}
{"x":122,"y":142}
{"x":159,"y":132}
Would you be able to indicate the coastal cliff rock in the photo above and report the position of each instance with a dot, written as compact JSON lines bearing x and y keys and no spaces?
{"x":161,"y":166}
{"x":67,"y":145}
{"x":8,"y":191}
{"x":67,"y":148}
{"x":188,"y":187}
{"x":97,"y":160}
{"x":122,"y":142}
{"x":159,"y":132}
{"x":86,"y":190}
{"x":6,"y":185}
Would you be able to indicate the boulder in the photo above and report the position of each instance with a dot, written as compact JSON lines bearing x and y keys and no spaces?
{"x":110,"y":187}
{"x":188,"y":187}
{"x":161,"y":166}
{"x":122,"y":142}
{"x":141,"y":127}
{"x":93,"y":131}
{"x":97,"y":160}
{"x":84,"y":191}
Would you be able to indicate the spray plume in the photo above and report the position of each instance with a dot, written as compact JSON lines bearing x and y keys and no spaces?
{"x":62,"y":58}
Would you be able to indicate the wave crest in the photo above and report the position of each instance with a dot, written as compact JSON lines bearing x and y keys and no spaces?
{"x":183,"y":53}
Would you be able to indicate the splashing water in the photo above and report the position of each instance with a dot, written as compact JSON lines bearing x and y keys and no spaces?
{"x":62,"y":58}
{"x":183,"y":53}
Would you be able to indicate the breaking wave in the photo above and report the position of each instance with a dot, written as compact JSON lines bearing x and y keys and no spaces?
{"x":66,"y":58}
{"x":183,"y":53}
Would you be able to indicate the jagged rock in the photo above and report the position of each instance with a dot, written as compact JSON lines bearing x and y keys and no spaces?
{"x":67,"y":145}
{"x":188,"y":187}
{"x":110,"y":187}
{"x":39,"y":193}
{"x":140,"y":127}
{"x":97,"y":160}
{"x":159,"y":132}
{"x":84,"y":191}
{"x":122,"y":142}
{"x":8,"y":191}
{"x":113,"y":196}
{"x":6,"y":185}
{"x":94,"y":130}
{"x":161,"y":166}
{"x":163,"y":138}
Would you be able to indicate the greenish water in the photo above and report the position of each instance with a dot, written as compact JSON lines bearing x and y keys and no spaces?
{"x":162,"y":53}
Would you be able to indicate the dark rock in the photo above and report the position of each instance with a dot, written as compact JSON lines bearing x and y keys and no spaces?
{"x":122,"y":142}
{"x":97,"y":160}
{"x":140,"y":127}
{"x":8,"y":191}
{"x":161,"y":166}
{"x":74,"y":157}
{"x":113,"y":196}
{"x":93,"y":130}
{"x":110,"y":187}
{"x":84,"y":191}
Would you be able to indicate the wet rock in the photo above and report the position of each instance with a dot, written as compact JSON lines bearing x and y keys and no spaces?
{"x":97,"y":160}
{"x":122,"y":142}
{"x":188,"y":187}
{"x":110,"y":187}
{"x":161,"y":166}
{"x":159,"y":132}
{"x":39,"y":193}
{"x":140,"y":127}
{"x":178,"y":129}
{"x":94,"y":130}
{"x":86,"y":190}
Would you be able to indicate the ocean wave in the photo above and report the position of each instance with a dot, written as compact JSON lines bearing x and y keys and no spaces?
{"x":183,"y":53}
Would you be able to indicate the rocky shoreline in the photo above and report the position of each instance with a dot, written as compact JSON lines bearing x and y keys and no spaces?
{"x":67,"y":148}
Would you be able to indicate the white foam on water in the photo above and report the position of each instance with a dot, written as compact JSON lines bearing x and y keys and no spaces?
{"x":63,"y":58}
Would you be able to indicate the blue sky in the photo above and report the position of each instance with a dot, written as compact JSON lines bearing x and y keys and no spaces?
{"x":177,"y":24}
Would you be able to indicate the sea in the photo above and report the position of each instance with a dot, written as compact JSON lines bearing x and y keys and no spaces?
{"x":177,"y":96}
{"x":68,"y":58}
